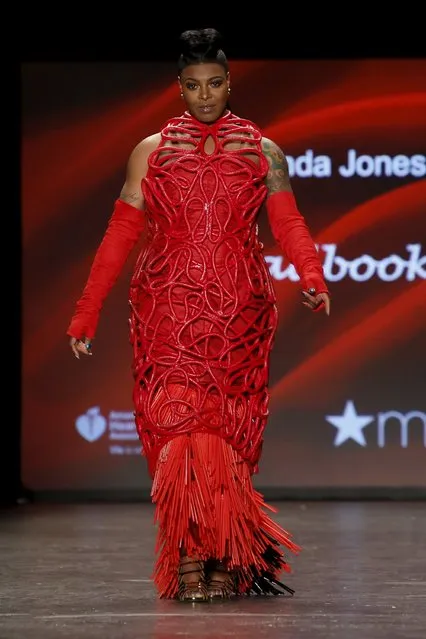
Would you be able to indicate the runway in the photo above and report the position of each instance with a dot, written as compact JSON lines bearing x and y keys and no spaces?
{"x":83,"y":570}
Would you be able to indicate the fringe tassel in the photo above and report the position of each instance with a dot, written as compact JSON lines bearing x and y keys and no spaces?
{"x":206,"y":505}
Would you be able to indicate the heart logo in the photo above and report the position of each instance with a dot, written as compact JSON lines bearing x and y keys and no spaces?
{"x":92,"y":425}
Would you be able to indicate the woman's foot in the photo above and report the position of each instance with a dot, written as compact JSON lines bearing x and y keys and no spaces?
{"x":192,"y":585}
{"x":220,"y":582}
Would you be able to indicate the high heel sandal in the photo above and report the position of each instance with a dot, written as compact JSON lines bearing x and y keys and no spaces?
{"x":192,"y":589}
{"x":220,"y":582}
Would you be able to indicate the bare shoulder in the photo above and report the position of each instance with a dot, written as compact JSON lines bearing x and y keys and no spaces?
{"x":272,"y":151}
{"x":138,"y":160}
{"x":278,"y":178}
{"x":145,"y":147}
{"x":137,"y":167}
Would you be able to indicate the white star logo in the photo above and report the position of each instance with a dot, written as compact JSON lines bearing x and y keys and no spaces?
{"x":350,"y":425}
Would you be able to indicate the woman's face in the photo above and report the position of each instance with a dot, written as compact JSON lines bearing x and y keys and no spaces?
{"x":205,"y":89}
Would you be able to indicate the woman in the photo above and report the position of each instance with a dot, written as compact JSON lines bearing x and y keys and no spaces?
{"x":203,"y":317}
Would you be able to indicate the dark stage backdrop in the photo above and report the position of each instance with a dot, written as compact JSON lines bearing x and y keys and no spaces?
{"x":348,"y":392}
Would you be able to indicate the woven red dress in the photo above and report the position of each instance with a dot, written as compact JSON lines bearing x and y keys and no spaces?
{"x":202,"y":324}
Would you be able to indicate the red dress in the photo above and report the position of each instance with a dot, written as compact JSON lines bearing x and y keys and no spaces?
{"x":203,"y":320}
{"x":202,"y":325}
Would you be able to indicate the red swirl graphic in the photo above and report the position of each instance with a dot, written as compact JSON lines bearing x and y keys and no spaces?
{"x":78,"y":129}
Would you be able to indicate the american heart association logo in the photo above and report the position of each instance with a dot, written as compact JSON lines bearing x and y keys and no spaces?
{"x":92,"y":425}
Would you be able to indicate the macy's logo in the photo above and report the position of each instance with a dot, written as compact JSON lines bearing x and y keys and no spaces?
{"x":350,"y":425}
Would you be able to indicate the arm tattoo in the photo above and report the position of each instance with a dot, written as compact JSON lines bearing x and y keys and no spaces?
{"x":128,"y":197}
{"x":278,"y":178}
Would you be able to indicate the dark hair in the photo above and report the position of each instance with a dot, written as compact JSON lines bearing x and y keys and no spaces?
{"x":201,"y":45}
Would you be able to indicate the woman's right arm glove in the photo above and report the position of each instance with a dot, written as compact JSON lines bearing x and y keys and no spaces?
{"x":124,"y":230}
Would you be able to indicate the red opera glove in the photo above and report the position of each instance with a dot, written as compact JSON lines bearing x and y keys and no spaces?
{"x":124,"y":229}
{"x":292,"y":234}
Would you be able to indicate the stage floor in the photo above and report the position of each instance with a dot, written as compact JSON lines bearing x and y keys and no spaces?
{"x":83,"y":571}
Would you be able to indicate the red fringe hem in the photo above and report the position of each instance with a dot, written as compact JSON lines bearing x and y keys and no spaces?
{"x":206,"y":504}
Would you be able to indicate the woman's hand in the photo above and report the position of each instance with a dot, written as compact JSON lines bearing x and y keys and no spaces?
{"x":316,"y":301}
{"x":81,"y":346}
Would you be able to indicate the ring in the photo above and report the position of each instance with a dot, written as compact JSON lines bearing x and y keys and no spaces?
{"x":311,"y":291}
{"x":88,"y":346}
